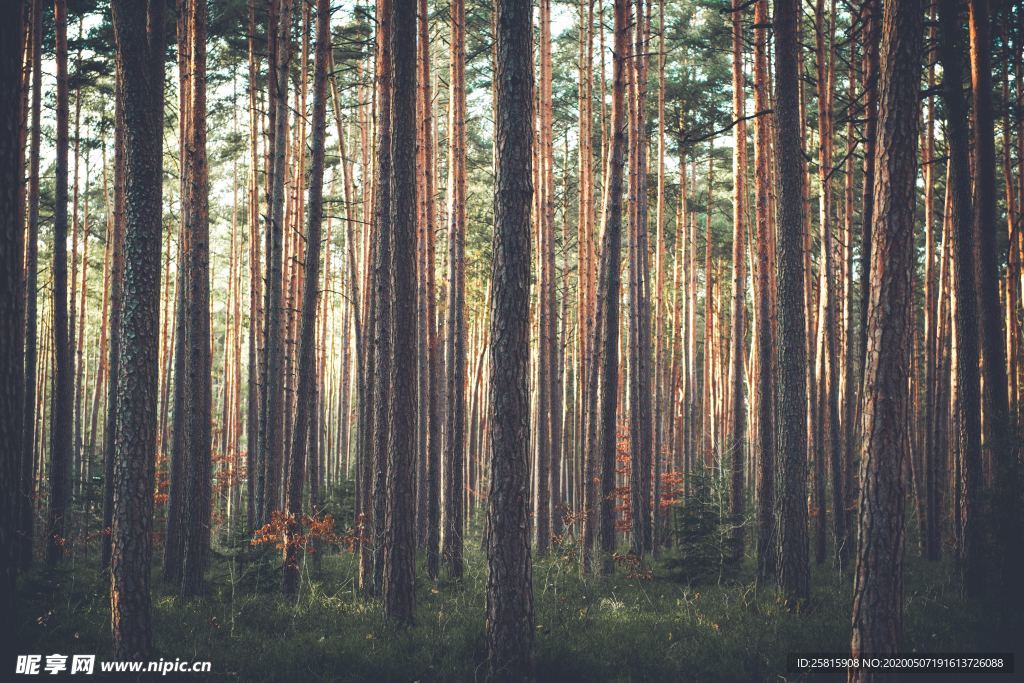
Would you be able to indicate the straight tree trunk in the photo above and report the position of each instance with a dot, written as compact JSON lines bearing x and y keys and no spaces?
{"x":639,"y":378}
{"x":794,"y":568}
{"x":830,"y":444}
{"x":383,"y":292}
{"x":61,"y":417}
{"x":196,"y":384}
{"x":509,"y":604}
{"x":273,"y":446}
{"x":12,"y":339}
{"x":255,"y":311}
{"x":399,"y":538}
{"x":888,"y":416}
{"x":1005,"y":460}
{"x":26,"y":519}
{"x":138,"y":28}
{"x":968,"y":390}
{"x":434,"y":358}
{"x":767,"y":552}
{"x":455,"y":336}
{"x":117,"y":265}
{"x":737,"y":409}
{"x":303,"y":441}
{"x":604,"y":372}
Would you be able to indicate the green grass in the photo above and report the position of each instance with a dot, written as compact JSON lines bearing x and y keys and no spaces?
{"x":613,"y":628}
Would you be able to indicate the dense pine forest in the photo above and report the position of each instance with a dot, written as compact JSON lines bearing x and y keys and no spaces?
{"x":512,"y":340}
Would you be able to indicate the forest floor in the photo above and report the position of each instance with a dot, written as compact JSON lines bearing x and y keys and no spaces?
{"x":611,"y":628}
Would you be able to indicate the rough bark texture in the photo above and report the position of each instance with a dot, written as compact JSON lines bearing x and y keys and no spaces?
{"x":455,"y":338}
{"x":273,"y":446}
{"x":767,"y":553}
{"x":12,"y":369}
{"x":794,"y":569}
{"x":952,"y":52}
{"x":509,"y":611}
{"x":887,"y":417}
{"x":999,"y":442}
{"x":737,"y":408}
{"x":399,"y":541}
{"x":61,"y":418}
{"x":26,"y":521}
{"x":196,"y":384}
{"x":604,"y":373}
{"x":138,"y":28}
{"x":302,"y":439}
{"x":639,"y":385}
{"x":383,"y":292}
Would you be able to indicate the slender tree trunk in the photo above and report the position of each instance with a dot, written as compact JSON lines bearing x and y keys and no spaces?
{"x":455,"y":337}
{"x":737,"y":409}
{"x":252,"y":396}
{"x":968,"y":413}
{"x":639,"y":377}
{"x":604,"y":374}
{"x":272,"y":447}
{"x":383,"y":292}
{"x":767,"y":552}
{"x":26,"y":519}
{"x":998,"y":438}
{"x":61,"y":418}
{"x":303,"y":441}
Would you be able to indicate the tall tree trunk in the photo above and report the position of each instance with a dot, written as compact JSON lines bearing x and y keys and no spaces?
{"x":603,"y":381}
{"x":61,"y":418}
{"x":639,"y":377}
{"x":273,"y":446}
{"x":116,"y":307}
{"x":455,"y":337}
{"x":830,"y":444}
{"x":998,"y":438}
{"x":737,"y":409}
{"x":12,"y":333}
{"x":794,"y":569}
{"x":509,"y":607}
{"x":303,"y":441}
{"x":383,"y":292}
{"x":196,"y":385}
{"x":252,"y":396}
{"x":139,"y":32}
{"x":968,"y":397}
{"x":888,"y":416}
{"x":434,"y":359}
{"x":26,"y":519}
{"x":767,"y":553}
{"x":399,"y":538}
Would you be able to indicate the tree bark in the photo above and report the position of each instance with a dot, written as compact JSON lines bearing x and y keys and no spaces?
{"x":139,"y":33}
{"x":767,"y":553}
{"x":509,"y":605}
{"x":303,"y":440}
{"x":1004,"y":456}
{"x":888,"y":416}
{"x":12,"y":333}
{"x":794,"y":569}
{"x":399,"y":540}
{"x":61,"y":417}
{"x":455,"y":337}
{"x":967,"y":386}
